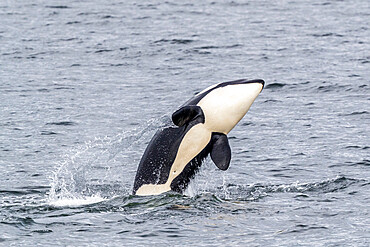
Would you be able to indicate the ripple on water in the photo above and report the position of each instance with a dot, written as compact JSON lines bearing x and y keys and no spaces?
{"x":275,"y":85}
{"x":62,"y":123}
{"x":79,"y":71}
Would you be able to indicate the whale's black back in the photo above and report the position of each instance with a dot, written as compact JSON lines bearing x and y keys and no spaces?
{"x":155,"y":165}
{"x":195,"y":100}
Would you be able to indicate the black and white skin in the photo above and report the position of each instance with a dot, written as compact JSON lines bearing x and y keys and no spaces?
{"x":175,"y":153}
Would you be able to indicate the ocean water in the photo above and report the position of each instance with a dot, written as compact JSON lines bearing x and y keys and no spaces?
{"x":85,"y":84}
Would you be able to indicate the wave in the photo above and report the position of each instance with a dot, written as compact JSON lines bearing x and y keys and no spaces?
{"x":275,"y":85}
{"x":354,"y":113}
{"x":47,"y":133}
{"x":174,"y":41}
{"x":322,"y":87}
{"x":258,"y":191}
{"x":25,"y":190}
{"x":57,"y":7}
{"x":64,"y":123}
{"x":320,"y":35}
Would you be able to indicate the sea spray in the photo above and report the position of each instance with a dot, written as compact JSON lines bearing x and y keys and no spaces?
{"x":97,"y":170}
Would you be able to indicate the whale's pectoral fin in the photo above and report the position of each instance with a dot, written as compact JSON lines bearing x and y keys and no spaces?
{"x":186,"y":114}
{"x":220,"y":151}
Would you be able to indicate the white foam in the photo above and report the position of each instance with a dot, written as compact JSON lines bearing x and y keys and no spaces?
{"x":77,"y":201}
{"x":191,"y":190}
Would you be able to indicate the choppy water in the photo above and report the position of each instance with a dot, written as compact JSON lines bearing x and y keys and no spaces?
{"x":84,"y":85}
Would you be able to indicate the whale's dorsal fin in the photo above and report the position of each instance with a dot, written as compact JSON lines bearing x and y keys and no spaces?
{"x":186,"y":114}
{"x":220,"y":151}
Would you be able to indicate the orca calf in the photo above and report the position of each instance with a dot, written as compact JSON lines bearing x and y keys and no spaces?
{"x":174,"y":154}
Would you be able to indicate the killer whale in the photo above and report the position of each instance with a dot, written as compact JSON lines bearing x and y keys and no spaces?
{"x":175,"y":153}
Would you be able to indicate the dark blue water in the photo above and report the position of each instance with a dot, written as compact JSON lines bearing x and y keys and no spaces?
{"x":85,"y":85}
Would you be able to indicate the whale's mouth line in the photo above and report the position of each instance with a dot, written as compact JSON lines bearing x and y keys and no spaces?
{"x":242,"y":81}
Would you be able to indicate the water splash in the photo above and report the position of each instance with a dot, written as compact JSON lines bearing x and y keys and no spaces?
{"x":201,"y":182}
{"x":94,"y":171}
{"x":76,"y":201}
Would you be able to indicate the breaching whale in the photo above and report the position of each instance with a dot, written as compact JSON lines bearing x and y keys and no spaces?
{"x":175,"y":153}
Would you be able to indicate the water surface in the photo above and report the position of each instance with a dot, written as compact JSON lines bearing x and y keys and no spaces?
{"x":85,"y":85}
